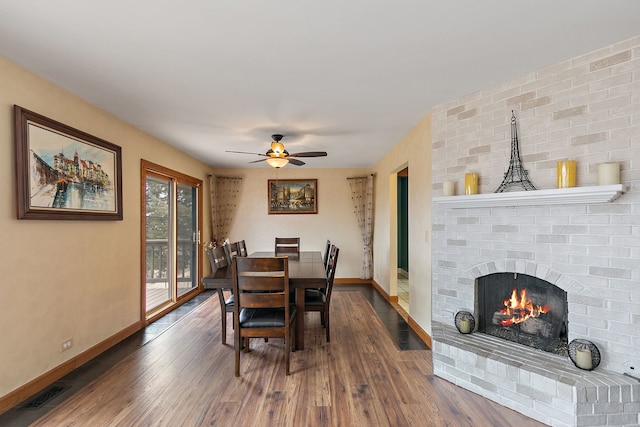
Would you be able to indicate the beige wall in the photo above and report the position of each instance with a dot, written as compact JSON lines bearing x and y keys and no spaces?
{"x":335,"y":219}
{"x":80,"y":279}
{"x":414,"y":151}
{"x":63,"y":279}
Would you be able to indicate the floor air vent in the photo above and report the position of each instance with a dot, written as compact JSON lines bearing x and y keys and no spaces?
{"x":45,"y":396}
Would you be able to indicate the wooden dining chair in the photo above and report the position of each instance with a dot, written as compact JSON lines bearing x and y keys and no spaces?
{"x":233,"y":249}
{"x":242,"y":248}
{"x":289,"y":246}
{"x":220,"y":263}
{"x":262,"y":308}
{"x":320,"y":299}
{"x":325,"y":255}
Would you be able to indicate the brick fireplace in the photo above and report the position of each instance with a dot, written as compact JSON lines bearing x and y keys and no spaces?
{"x":586,"y":109}
{"x":539,"y":384}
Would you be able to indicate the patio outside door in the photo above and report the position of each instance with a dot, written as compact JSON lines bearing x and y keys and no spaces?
{"x":171,"y":238}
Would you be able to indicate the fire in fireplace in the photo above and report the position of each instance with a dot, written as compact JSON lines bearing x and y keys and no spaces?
{"x":519,"y":308}
{"x":523,"y":309}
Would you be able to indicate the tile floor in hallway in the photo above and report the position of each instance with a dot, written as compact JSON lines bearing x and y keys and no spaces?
{"x":403,"y":290}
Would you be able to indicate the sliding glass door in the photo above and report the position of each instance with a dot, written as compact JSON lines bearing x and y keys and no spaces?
{"x":187,"y":238}
{"x":171,"y":237}
{"x":159,"y":257}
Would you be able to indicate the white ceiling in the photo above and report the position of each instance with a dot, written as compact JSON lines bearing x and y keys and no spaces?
{"x":349,"y":77}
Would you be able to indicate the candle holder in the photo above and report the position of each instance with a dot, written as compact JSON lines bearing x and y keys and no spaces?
{"x":566,"y":173}
{"x":465,"y":322}
{"x":584,"y":354}
{"x":470,"y":184}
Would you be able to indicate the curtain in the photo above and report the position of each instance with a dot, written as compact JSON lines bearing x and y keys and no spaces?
{"x":362,"y":196}
{"x":224,"y":195}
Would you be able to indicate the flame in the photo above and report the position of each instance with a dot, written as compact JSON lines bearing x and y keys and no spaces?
{"x":521,"y":308}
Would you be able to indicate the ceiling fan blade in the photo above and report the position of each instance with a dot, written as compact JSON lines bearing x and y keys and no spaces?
{"x":245,"y":152}
{"x":295,"y":161}
{"x":258,"y":161}
{"x":309,"y":154}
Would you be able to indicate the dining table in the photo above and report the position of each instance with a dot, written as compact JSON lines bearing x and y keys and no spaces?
{"x":305,"y":271}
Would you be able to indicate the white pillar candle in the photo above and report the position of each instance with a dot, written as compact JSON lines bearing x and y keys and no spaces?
{"x":465,"y":326}
{"x":583,"y":358}
{"x":449,"y":188}
{"x":608,"y":173}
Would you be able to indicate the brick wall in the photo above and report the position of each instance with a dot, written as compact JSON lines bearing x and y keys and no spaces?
{"x":586,"y":109}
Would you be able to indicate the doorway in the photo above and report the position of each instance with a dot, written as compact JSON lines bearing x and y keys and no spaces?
{"x":403,"y":238}
{"x":171,"y":224}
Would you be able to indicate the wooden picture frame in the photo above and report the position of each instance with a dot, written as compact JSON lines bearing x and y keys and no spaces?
{"x":292,"y":196}
{"x":64,"y":173}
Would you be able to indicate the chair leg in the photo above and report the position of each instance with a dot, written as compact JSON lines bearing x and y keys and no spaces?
{"x":223,"y":313}
{"x":237,"y":341}
{"x":326,"y":317}
{"x":292,"y":336}
{"x":287,"y":351}
{"x":224,"y":327}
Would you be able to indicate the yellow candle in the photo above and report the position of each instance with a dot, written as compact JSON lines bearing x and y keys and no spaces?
{"x":449,"y":188}
{"x":608,"y":173}
{"x":471,"y":183}
{"x":583,"y":358}
{"x":465,"y":326}
{"x":566,"y":174}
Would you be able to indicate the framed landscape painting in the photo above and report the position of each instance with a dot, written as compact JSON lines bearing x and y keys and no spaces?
{"x":293,"y":196}
{"x":64,"y":173}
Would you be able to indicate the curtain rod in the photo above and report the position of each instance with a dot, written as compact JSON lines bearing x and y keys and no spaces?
{"x":358,"y":177}
{"x":225,"y":177}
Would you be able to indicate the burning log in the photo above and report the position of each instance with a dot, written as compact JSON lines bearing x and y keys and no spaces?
{"x":536,"y":326}
{"x":499,"y":318}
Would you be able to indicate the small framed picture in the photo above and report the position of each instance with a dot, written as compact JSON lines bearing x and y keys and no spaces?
{"x":293,"y":196}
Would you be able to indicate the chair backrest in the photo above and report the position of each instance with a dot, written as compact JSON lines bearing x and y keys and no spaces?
{"x":331,"y":270}
{"x":219,"y":260}
{"x":261,"y":283}
{"x":325,"y":255}
{"x":262,"y":307}
{"x":242,"y":248}
{"x":233,"y":249}
{"x":287,"y":246}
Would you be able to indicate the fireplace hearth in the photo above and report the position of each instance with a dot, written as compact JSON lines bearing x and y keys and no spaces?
{"x":523,"y":309}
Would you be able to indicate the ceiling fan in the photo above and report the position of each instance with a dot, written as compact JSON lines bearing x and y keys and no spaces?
{"x":278,"y":157}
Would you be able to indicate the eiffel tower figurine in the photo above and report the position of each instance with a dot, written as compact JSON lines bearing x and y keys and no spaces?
{"x":516,"y":175}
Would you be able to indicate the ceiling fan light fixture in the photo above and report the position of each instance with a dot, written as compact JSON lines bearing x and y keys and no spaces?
{"x":277,"y":147}
{"x":277,"y":162}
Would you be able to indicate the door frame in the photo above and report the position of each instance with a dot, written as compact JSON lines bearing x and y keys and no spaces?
{"x":402,"y":200}
{"x":150,"y":168}
{"x":393,"y":232}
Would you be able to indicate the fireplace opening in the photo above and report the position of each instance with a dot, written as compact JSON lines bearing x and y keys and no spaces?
{"x":523,"y":309}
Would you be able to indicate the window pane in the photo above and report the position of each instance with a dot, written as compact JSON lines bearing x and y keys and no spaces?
{"x":158,"y":231}
{"x":186,"y":198}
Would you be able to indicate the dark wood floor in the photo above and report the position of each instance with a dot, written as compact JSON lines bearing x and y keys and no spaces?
{"x":184,"y":377}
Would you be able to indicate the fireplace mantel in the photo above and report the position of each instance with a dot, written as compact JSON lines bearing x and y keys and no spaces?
{"x":563,"y":196}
